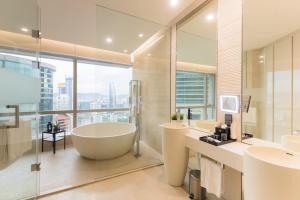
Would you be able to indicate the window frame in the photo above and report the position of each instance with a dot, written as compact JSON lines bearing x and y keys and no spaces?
{"x":74,"y":111}
{"x":206,"y":105}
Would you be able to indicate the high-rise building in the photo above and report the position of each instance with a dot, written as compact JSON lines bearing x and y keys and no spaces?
{"x":46,"y":102}
{"x":46,"y":74}
{"x":190,"y":88}
{"x":63,"y":100}
{"x":112,"y":95}
{"x":195,"y":89}
{"x":69,"y":89}
{"x":61,"y":88}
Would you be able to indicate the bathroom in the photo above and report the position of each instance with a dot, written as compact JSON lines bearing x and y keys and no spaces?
{"x":112,"y":82}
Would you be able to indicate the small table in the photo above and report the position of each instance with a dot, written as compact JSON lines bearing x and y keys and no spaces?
{"x":54,"y":138}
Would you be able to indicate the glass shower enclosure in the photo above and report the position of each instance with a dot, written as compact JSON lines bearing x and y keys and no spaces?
{"x":19,"y":97}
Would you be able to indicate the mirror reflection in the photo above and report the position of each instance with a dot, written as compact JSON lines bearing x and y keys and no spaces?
{"x":197,"y":64}
{"x":271,"y":73}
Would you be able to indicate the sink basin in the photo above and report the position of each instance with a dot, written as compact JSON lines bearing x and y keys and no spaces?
{"x":174,"y":125}
{"x":271,"y":174}
{"x":291,"y":142}
{"x":174,"y":152}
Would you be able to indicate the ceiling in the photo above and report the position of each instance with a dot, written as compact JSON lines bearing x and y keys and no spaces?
{"x":158,"y":11}
{"x":123,"y":29}
{"x":199,"y":25}
{"x":266,"y":21}
{"x":197,"y":37}
{"x":91,"y":22}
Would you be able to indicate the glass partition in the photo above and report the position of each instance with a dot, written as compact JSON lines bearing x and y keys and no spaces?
{"x":87,"y":74}
{"x":19,"y":89}
{"x":82,"y":77}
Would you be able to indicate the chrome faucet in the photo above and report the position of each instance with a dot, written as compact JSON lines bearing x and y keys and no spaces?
{"x":178,"y":114}
{"x":189,"y":116}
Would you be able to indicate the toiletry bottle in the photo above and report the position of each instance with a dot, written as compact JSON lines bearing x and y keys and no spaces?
{"x":49,"y":127}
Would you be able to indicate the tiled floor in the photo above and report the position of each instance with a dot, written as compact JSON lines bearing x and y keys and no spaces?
{"x":148,"y":184}
{"x":66,"y":168}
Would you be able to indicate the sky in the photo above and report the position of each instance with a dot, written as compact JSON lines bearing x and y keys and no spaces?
{"x":91,"y":78}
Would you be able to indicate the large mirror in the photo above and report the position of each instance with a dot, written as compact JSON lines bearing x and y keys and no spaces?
{"x":271,"y":68}
{"x":197,"y":64}
{"x":197,"y":70}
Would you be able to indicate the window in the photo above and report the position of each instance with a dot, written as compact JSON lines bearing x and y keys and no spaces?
{"x":94,"y":117}
{"x":101,"y":86}
{"x":102,"y":89}
{"x":197,"y":91}
{"x":56,"y":84}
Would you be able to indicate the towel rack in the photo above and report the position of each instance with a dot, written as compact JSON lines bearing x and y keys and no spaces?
{"x":208,"y":158}
{"x":17,"y":117}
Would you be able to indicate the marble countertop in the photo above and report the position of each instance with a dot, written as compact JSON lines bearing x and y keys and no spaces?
{"x":229,"y":154}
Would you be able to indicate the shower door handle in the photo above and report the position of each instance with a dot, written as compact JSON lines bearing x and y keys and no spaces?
{"x":17,"y":116}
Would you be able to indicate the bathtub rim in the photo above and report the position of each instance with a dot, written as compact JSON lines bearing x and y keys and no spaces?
{"x":92,"y":137}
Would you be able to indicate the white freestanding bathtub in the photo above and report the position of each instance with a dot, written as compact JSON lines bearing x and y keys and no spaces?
{"x":102,"y":141}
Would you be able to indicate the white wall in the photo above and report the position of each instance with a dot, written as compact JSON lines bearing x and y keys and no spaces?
{"x":195,"y":49}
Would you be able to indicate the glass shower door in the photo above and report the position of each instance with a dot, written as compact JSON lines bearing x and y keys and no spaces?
{"x":19,"y":98}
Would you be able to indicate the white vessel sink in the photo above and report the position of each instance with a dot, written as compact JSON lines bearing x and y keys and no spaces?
{"x":174,"y":125}
{"x":291,"y":142}
{"x":174,"y":152}
{"x":271,"y":174}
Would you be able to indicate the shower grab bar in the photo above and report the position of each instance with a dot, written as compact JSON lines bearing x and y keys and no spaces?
{"x":17,"y":117}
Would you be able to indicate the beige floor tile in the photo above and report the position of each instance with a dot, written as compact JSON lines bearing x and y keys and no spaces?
{"x":66,"y":168}
{"x":149,"y":184}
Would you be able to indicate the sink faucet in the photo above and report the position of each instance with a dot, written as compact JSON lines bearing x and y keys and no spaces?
{"x":178,"y":115}
{"x":189,"y":115}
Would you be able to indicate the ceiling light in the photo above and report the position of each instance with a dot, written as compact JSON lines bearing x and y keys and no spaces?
{"x":108,"y":40}
{"x":174,"y":3}
{"x":261,"y":56}
{"x":149,"y":54}
{"x":210,"y":17}
{"x":24,"y":29}
{"x":141,"y":35}
{"x":261,"y":61}
{"x":125,"y":51}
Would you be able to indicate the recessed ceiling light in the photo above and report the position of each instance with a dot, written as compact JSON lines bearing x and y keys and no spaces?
{"x":109,"y":40}
{"x":149,"y":54}
{"x":141,"y":35}
{"x":125,"y":51}
{"x":210,"y":17}
{"x":261,"y":61}
{"x":173,"y":3}
{"x":261,"y":56}
{"x":24,"y":29}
